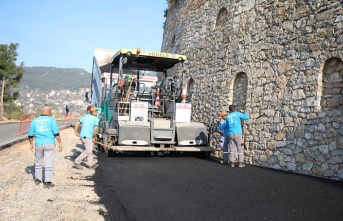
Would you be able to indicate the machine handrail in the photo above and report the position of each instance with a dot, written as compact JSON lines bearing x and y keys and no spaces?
{"x":96,"y":91}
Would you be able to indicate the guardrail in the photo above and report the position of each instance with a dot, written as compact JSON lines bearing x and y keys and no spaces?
{"x":67,"y":118}
{"x":24,"y":124}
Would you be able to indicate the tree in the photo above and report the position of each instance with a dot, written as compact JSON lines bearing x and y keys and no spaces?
{"x":10,"y":74}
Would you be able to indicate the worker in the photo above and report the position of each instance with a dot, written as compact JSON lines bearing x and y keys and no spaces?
{"x":45,"y":130}
{"x":86,"y":96}
{"x":87,"y":135}
{"x":235,"y":135}
{"x":67,"y":110}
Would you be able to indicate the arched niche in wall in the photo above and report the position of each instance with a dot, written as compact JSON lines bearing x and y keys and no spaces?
{"x":190,"y":90}
{"x":332,"y":84}
{"x":240,"y":88}
{"x":221,"y":17}
{"x":173,"y":41}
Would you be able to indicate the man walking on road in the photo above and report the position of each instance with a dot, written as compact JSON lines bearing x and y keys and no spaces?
{"x":235,"y":137}
{"x":67,"y":110}
{"x":87,"y":135}
{"x":45,"y":130}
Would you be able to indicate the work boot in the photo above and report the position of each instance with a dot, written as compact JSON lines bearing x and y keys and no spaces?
{"x":241,"y":165}
{"x":223,"y":162}
{"x":78,"y":166}
{"x":37,"y":181}
{"x":232,"y":164}
{"x":49,"y":185}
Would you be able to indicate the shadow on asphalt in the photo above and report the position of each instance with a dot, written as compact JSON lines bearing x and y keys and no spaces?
{"x":280,"y":172}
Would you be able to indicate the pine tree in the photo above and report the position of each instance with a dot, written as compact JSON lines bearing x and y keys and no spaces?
{"x":10,"y":74}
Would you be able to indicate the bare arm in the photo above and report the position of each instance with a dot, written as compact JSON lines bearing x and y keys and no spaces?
{"x":77,"y":128}
{"x":58,"y":138}
{"x":95,"y":133}
{"x":32,"y":147}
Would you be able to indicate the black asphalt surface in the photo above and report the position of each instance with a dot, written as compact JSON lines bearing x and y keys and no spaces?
{"x":139,"y":187}
{"x":181,"y":187}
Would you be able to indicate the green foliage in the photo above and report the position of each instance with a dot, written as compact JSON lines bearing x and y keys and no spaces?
{"x":165,"y":15}
{"x":12,"y":111}
{"x":47,"y":79}
{"x":14,"y":115}
{"x":10,"y":74}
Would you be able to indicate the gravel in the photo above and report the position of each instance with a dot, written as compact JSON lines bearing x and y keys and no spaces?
{"x":72,"y":197}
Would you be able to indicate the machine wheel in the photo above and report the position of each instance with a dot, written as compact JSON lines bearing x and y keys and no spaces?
{"x":106,"y":151}
{"x":206,"y":154}
{"x":104,"y":140}
{"x":99,"y":146}
{"x":109,"y":152}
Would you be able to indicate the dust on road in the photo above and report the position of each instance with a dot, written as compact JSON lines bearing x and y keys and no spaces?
{"x":73,"y":197}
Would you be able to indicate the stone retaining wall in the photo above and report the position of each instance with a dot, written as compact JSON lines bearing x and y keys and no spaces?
{"x":281,"y":61}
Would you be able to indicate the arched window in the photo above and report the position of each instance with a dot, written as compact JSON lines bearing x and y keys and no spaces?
{"x":240,"y":88}
{"x":173,"y":41}
{"x":332,"y":84}
{"x":221,"y":17}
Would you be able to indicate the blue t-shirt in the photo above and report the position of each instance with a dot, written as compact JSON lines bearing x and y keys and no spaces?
{"x":44,"y":129}
{"x":225,"y":129}
{"x":233,"y":121}
{"x":88,"y":122}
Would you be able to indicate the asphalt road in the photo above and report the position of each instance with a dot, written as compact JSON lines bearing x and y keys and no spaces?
{"x":11,"y":134}
{"x":181,"y":187}
{"x":193,"y":188}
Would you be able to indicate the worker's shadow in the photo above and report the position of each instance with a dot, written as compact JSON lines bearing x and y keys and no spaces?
{"x":31,"y":170}
{"x":201,"y":139}
{"x":75,"y":152}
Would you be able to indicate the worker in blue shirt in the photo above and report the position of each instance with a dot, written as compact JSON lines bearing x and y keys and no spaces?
{"x":235,"y":134}
{"x":87,"y":135}
{"x":45,"y":130}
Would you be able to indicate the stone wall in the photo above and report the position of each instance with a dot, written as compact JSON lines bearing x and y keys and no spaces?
{"x":279,"y":60}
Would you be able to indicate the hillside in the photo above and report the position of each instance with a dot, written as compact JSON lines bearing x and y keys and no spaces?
{"x":46,"y":79}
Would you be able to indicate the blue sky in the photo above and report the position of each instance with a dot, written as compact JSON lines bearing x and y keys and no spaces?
{"x":65,"y":33}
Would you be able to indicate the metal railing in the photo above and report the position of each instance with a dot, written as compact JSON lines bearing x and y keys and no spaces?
{"x":67,"y":118}
{"x":24,"y":124}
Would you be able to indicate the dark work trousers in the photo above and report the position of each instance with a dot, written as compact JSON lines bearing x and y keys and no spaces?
{"x":44,"y":157}
{"x":225,"y":148}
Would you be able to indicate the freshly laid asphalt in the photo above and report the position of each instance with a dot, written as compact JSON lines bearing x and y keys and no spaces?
{"x":183,"y":187}
{"x":193,"y":188}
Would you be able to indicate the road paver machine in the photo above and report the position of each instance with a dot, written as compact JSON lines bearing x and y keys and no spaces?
{"x":140,"y":107}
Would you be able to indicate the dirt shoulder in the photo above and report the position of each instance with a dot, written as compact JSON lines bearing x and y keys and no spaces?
{"x":73,"y":197}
